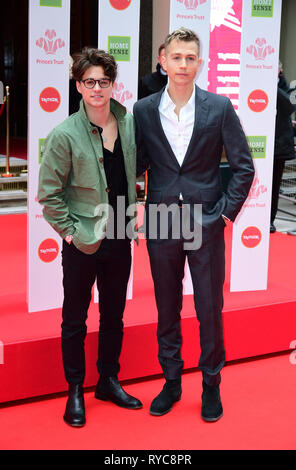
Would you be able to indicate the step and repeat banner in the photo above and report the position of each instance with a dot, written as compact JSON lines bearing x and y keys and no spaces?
{"x":118,"y":33}
{"x":240,"y":49}
{"x":48,"y":104}
{"x":242,"y":52}
{"x":261,"y":22}
{"x":49,"y":62}
{"x":194,"y":15}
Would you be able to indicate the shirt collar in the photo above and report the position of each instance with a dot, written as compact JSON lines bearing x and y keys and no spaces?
{"x":167,"y":102}
{"x":116,"y":108}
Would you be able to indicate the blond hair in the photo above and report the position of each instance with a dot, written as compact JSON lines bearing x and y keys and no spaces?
{"x":182,"y":34}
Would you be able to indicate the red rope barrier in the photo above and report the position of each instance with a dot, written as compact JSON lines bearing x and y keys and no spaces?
{"x":2,"y":107}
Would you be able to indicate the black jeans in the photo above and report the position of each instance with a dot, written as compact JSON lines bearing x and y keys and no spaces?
{"x":110,"y":265}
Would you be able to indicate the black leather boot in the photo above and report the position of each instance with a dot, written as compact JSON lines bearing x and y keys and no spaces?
{"x":75,"y":408}
{"x":170,"y":394}
{"x":109,"y":389}
{"x":211,"y":409}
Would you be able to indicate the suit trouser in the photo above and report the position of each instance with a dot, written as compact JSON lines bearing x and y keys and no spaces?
{"x":110,"y":265}
{"x":207,"y":268}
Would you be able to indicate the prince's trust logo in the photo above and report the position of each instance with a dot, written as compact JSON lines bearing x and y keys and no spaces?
{"x":49,"y":44}
{"x":192,"y":4}
{"x":260,"y":50}
{"x":120,"y":94}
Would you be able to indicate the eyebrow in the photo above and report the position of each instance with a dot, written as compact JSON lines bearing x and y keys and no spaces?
{"x":102,"y":78}
{"x":187,"y":55}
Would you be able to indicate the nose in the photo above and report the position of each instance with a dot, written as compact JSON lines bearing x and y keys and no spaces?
{"x":97,"y":86}
{"x":183,"y":63}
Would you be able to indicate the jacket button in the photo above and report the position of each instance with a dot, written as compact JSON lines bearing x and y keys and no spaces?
{"x":94,"y":131}
{"x":108,"y":190}
{"x":101,"y":160}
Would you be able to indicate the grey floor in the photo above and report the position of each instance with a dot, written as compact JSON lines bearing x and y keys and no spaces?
{"x":286,"y":216}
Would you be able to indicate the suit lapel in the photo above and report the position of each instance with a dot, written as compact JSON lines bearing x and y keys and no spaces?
{"x":155,"y":100}
{"x":200,"y":120}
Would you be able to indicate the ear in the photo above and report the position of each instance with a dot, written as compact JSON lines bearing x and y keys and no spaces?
{"x":163,"y":63}
{"x":199,"y":64}
{"x":78,"y":86}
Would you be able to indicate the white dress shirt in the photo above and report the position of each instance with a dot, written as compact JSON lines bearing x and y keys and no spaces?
{"x":178,"y":130}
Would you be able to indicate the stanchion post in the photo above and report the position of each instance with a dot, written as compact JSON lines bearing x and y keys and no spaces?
{"x":7,"y":174}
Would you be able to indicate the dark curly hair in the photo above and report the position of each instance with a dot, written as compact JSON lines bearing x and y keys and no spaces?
{"x":89,"y":57}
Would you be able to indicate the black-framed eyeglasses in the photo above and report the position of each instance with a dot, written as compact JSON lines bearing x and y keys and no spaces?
{"x":91,"y":82}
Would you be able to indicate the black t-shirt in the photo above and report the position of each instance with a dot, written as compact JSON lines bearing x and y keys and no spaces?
{"x":116,"y":181}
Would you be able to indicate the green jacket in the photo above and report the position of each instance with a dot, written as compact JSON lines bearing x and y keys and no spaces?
{"x":72,"y":181}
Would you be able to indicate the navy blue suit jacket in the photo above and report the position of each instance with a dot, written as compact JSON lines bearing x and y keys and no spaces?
{"x":198,"y":178}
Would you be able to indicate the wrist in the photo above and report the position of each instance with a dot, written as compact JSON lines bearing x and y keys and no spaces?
{"x":68,"y":239}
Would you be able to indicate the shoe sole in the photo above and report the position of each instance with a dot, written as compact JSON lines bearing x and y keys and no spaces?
{"x":211,"y":420}
{"x":158,"y":413}
{"x":155,"y":413}
{"x":100,"y":396}
{"x":74,"y":425}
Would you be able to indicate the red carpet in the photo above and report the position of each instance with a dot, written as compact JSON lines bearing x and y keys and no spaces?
{"x":255,"y":323}
{"x":259,"y":413}
{"x":17,"y":147}
{"x":258,"y":395}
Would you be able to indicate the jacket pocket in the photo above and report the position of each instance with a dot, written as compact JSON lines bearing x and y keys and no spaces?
{"x":210,"y":195}
{"x":85,"y":172}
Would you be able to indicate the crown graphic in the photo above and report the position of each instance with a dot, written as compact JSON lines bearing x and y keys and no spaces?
{"x":49,"y":44}
{"x":119,"y":94}
{"x":260,"y":50}
{"x":192,"y":4}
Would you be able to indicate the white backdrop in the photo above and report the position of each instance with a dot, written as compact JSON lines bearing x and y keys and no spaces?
{"x":242,"y":52}
{"x":259,"y":27}
{"x":49,"y":33}
{"x":194,"y":15}
{"x":119,"y":34}
{"x":257,"y":111}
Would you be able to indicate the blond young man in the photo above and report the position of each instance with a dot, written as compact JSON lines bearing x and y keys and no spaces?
{"x":181,"y":131}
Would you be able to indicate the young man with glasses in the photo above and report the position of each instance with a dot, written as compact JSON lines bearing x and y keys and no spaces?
{"x":89,"y":162}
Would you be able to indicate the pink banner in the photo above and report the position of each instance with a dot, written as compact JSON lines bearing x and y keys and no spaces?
{"x":225,"y":45}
